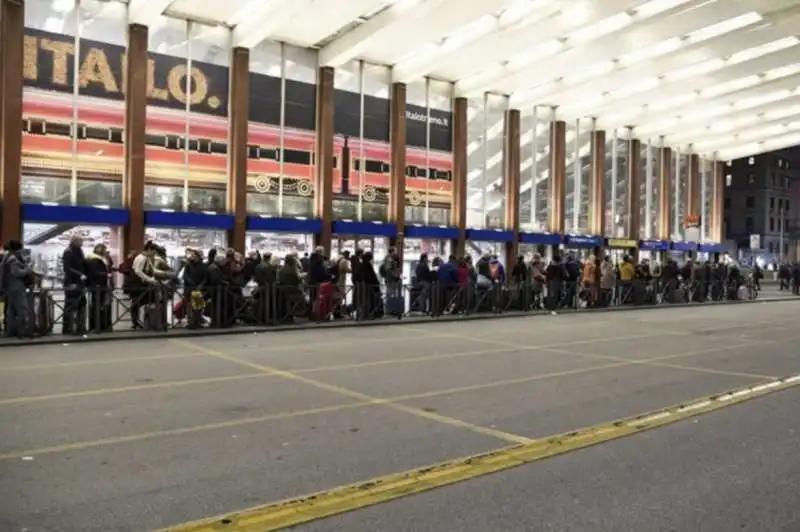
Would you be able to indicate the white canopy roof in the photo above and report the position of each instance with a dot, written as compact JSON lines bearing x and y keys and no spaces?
{"x":721,"y":76}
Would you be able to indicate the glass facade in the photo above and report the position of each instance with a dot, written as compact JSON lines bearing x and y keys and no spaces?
{"x":74,"y":119}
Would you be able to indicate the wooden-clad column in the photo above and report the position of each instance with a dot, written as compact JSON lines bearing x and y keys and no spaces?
{"x":397,"y":150}
{"x":511,"y":184}
{"x":597,"y":201}
{"x":558,"y":176}
{"x":458,"y":209}
{"x":634,"y":184}
{"x":135,"y":125}
{"x":238,"y":112}
{"x":12,"y":24}
{"x":323,"y":179}
{"x":597,"y":186}
{"x":716,"y":223}
{"x":664,"y":230}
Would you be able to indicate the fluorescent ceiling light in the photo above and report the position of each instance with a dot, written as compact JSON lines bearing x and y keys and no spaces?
{"x":604,"y":27}
{"x":654,"y":7}
{"x":726,"y":26}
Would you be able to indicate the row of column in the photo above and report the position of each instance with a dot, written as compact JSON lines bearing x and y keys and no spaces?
{"x":11,"y":70}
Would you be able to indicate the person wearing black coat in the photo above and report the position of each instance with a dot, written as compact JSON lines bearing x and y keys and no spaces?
{"x":195,"y":273}
{"x":98,"y":281}
{"x":372,"y":306}
{"x":74,"y":265}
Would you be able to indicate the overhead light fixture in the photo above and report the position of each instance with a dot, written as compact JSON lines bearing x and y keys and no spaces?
{"x":599,"y":29}
{"x":726,"y":26}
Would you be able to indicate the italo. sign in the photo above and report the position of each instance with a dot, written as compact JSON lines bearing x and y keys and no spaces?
{"x":49,"y":63}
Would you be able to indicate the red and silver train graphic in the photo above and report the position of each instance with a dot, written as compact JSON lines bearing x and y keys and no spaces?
{"x":47,"y":136}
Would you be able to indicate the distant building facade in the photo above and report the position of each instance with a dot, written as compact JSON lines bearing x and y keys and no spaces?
{"x":762,"y":205}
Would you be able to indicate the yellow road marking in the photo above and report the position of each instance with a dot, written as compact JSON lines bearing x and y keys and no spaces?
{"x":95,"y":361}
{"x":655,"y":362}
{"x":358,"y":396}
{"x":296,"y":511}
{"x":122,"y":389}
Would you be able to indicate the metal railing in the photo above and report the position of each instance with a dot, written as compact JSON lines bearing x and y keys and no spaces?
{"x":164,"y":307}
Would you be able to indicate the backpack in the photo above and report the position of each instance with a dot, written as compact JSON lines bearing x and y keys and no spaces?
{"x":126,"y":268}
{"x":333,"y":271}
{"x":494,"y":270}
{"x":382,"y":270}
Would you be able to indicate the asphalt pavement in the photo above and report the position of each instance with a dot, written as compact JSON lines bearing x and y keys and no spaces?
{"x":732,"y":470}
{"x":137,"y":435}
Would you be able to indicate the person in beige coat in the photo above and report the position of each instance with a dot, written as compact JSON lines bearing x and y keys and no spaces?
{"x":607,"y":280}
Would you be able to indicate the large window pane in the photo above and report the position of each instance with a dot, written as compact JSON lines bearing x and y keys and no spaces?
{"x":611,"y":174}
{"x":429,"y":155}
{"x":187,"y":127}
{"x":49,"y":107}
{"x":485,"y":129}
{"x":281,"y":158}
{"x":361,"y":124}
{"x":100,"y":105}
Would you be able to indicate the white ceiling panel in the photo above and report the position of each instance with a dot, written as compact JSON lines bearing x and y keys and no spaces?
{"x":690,"y":71}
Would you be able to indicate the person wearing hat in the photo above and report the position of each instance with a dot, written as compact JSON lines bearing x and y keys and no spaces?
{"x":14,"y":277}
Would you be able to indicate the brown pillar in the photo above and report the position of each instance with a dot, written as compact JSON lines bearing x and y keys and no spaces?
{"x":693,"y":186}
{"x":323,"y":179}
{"x":597,"y":203}
{"x":511,"y":185}
{"x":716,"y":223}
{"x":458,"y":209}
{"x":664,"y":231}
{"x":12,"y":23}
{"x":634,"y":183}
{"x":558,"y":176}
{"x":135,"y":118}
{"x":238,"y":112}
{"x":597,"y":187}
{"x":397,"y":149}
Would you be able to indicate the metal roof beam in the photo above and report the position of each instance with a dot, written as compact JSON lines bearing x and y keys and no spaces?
{"x":353,"y":43}
{"x":146,"y":12}
{"x":265,"y":19}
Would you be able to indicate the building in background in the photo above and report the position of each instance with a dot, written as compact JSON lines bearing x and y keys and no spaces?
{"x":762,"y":200}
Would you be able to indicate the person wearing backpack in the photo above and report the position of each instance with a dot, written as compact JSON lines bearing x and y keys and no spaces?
{"x":14,"y":280}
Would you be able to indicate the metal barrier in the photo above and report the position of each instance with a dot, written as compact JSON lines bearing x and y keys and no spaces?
{"x":165,"y":307}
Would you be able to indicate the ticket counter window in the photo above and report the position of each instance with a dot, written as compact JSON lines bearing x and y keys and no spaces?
{"x":414,"y":247}
{"x":477,"y":249}
{"x":279,"y":244}
{"x":175,"y":241}
{"x":45,"y":243}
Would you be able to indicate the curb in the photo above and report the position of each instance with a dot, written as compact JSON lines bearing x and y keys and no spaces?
{"x":186,"y":333}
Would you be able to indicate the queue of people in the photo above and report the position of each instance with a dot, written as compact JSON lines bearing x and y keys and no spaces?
{"x":225,"y":288}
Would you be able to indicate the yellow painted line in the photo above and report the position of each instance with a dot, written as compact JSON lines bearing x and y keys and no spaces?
{"x":656,"y":361}
{"x":296,"y":511}
{"x":123,"y":389}
{"x":95,"y":361}
{"x":358,"y":396}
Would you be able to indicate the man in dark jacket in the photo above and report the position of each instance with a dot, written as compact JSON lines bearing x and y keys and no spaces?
{"x":16,"y":275}
{"x":74,"y":265}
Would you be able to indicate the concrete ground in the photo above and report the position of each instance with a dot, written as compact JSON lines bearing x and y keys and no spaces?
{"x":732,"y":470}
{"x":136,"y":435}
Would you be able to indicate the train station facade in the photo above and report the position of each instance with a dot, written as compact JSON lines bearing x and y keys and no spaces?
{"x":179,"y":124}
